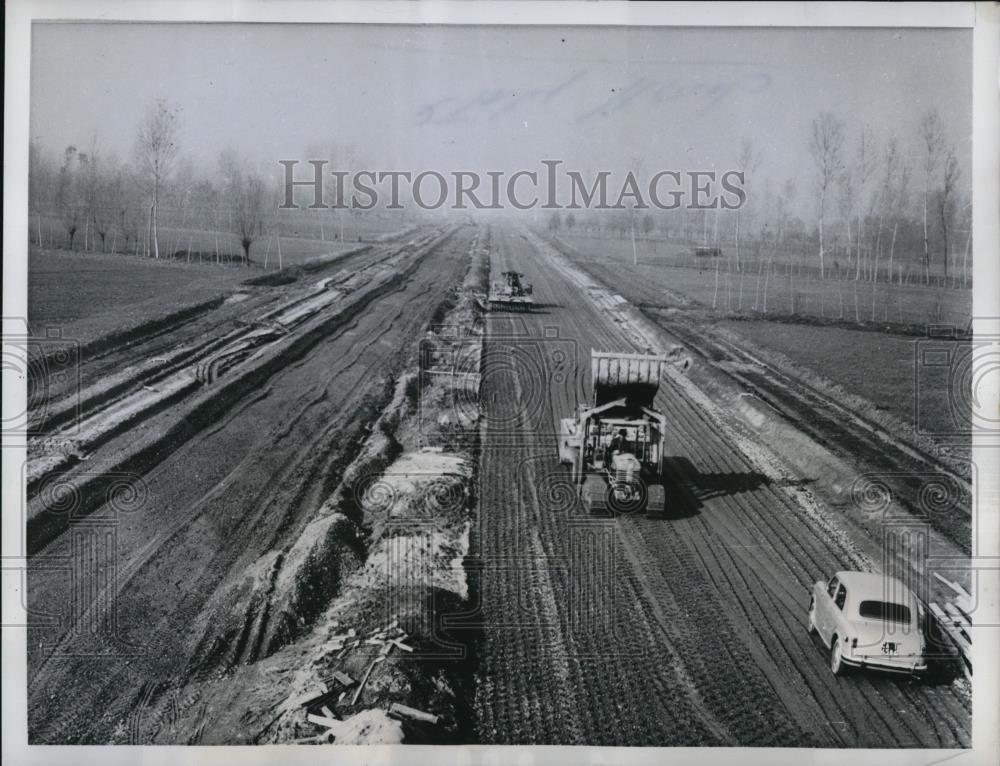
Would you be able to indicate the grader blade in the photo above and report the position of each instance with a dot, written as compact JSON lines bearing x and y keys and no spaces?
{"x":511,"y":294}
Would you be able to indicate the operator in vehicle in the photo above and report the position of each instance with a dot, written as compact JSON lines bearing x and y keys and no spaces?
{"x":618,"y":444}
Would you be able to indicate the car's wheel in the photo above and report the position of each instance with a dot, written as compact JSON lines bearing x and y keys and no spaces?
{"x":837,"y":665}
{"x":812,"y":617}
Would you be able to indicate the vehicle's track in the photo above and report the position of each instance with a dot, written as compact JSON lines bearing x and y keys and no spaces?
{"x":146,"y":359}
{"x":695,"y":631}
{"x":163,"y":336}
{"x":644,"y":659}
{"x":906,"y":467}
{"x":138,"y":431}
{"x":216,"y":506}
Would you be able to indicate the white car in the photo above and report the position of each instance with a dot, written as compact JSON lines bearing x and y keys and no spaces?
{"x":868,"y":621}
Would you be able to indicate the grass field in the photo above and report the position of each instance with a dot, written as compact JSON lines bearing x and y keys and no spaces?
{"x":302,"y":238}
{"x":878,"y":363}
{"x":88,"y":295}
{"x":205,"y":245}
{"x":882,"y":368}
{"x":753,"y":291}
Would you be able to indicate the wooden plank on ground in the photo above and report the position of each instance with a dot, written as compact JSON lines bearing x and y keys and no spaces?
{"x":357,"y":692}
{"x":398,"y":710}
{"x":321,"y":720}
{"x":342,"y":678}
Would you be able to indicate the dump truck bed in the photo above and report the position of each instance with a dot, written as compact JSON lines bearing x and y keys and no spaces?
{"x":636,"y":377}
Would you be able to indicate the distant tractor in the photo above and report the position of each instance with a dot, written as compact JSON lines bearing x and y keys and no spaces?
{"x":511,"y":294}
{"x":615,"y":446}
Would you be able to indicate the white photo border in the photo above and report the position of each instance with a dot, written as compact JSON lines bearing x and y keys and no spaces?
{"x":982,"y":18}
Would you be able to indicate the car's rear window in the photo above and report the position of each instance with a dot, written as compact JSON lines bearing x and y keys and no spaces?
{"x":884,"y":610}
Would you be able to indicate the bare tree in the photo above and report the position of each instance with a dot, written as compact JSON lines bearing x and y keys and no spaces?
{"x":42,"y":184}
{"x":636,"y":170}
{"x":179,"y":194}
{"x":105,"y":206}
{"x":947,"y":201}
{"x":785,"y":200}
{"x":866,"y":163}
{"x":846,"y":202}
{"x":245,"y":193}
{"x":932,"y":139}
{"x":826,"y":146}
{"x":89,"y":180}
{"x":128,"y":213}
{"x":892,"y":196}
{"x":99,"y":188}
{"x":205,"y":202}
{"x":68,"y":193}
{"x":747,"y":161}
{"x":155,"y":151}
{"x":965,"y":220}
{"x":887,"y":188}
{"x":648,"y":224}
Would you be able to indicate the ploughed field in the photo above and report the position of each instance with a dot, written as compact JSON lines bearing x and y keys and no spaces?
{"x":88,"y":295}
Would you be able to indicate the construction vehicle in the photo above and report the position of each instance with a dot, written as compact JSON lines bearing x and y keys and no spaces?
{"x":511,"y":294}
{"x":615,"y":445}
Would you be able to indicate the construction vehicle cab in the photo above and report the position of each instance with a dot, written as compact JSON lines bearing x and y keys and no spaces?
{"x":615,"y":445}
{"x":511,"y":294}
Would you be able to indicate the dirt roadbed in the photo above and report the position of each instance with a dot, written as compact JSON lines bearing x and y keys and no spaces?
{"x":221,"y":554}
{"x":329,"y":509}
{"x":700,"y":615}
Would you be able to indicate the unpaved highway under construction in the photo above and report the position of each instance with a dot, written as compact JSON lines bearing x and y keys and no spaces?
{"x":686,"y":630}
{"x":231,"y":427}
{"x":241,"y":480}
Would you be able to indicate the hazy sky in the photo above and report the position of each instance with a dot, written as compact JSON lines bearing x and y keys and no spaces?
{"x":464,"y":98}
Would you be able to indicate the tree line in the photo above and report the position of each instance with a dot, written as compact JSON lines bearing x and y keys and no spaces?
{"x":96,"y":196}
{"x":878,"y":212}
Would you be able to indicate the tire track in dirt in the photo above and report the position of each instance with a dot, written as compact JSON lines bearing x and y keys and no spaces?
{"x":132,"y":444}
{"x":221,"y":501}
{"x":637,"y":615}
{"x":644,"y":716}
{"x":770,"y":551}
{"x":816,"y":556}
{"x":747,"y":502}
{"x":842,"y":430}
{"x":178,"y":339}
{"x":313,"y":395}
